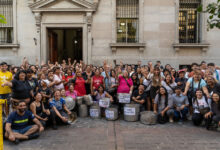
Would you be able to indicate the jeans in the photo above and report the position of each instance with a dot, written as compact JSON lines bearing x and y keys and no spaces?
{"x":181,"y":115}
{"x":22,"y":131}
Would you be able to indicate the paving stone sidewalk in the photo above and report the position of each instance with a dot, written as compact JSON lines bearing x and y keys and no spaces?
{"x":89,"y":134}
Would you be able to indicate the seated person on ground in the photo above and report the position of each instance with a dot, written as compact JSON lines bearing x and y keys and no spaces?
{"x":18,"y":125}
{"x":38,"y":109}
{"x":58,"y":110}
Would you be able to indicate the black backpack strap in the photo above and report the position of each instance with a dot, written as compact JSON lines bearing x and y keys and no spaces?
{"x":127,"y":82}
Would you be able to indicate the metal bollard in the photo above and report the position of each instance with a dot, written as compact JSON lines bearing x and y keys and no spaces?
{"x":2,"y":101}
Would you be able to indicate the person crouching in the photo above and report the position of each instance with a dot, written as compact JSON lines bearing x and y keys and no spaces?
{"x":163,"y":106}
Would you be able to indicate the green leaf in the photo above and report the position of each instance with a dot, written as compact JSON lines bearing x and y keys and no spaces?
{"x":2,"y":19}
{"x":211,"y":17}
{"x":200,"y":8}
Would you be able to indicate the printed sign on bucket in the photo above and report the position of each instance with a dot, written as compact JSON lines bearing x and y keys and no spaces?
{"x":94,"y":112}
{"x":124,"y":98}
{"x":129,"y":111}
{"x":109,"y":114}
{"x":105,"y":102}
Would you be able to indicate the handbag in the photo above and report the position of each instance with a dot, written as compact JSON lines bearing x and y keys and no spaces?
{"x":205,"y":110}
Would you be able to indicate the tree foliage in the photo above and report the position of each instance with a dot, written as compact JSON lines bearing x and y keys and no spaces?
{"x":213,"y":9}
{"x":2,"y":19}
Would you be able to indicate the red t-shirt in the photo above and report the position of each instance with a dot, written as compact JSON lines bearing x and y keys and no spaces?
{"x":97,"y":81}
{"x":80,"y":86}
{"x":67,"y":80}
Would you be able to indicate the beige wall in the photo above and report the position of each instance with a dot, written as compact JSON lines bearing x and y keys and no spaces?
{"x":159,"y":33}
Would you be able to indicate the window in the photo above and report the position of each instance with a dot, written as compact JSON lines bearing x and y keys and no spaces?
{"x":127,"y":12}
{"x":189,"y":21}
{"x":6,"y":30}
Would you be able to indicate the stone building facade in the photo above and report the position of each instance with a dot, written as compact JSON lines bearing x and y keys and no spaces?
{"x":113,"y":30}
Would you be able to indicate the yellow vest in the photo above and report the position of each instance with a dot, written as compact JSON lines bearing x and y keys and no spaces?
{"x":5,"y":76}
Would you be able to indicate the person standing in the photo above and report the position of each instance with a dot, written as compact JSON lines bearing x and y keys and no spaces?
{"x":5,"y":91}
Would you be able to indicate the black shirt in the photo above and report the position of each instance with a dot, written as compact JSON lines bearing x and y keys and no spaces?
{"x":33,"y":83}
{"x":45,"y":100}
{"x":143,"y":96}
{"x":215,"y":89}
{"x":183,"y":81}
{"x":20,"y":89}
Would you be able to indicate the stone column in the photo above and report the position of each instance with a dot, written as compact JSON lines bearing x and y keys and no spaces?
{"x":89,"y":34}
{"x":38,"y":36}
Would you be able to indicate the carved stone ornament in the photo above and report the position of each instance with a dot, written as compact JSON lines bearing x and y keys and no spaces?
{"x":38,"y":20}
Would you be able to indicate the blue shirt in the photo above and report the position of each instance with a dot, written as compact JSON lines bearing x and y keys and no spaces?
{"x":19,"y":122}
{"x":196,"y":84}
{"x":57,"y":103}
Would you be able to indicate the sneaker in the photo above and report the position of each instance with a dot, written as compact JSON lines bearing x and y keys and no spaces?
{"x":171,"y":120}
{"x":33,"y":136}
{"x":16,"y":142}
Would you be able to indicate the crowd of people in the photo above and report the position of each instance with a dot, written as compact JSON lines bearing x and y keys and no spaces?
{"x":36,"y":94}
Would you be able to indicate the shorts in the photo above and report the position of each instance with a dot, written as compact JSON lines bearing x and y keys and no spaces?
{"x":6,"y":96}
{"x":24,"y":130}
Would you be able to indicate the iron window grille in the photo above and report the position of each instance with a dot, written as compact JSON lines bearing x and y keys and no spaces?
{"x":189,"y":21}
{"x":6,"y":30}
{"x":127,"y":16}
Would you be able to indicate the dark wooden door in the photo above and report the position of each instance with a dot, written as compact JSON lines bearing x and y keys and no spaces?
{"x":53,"y":47}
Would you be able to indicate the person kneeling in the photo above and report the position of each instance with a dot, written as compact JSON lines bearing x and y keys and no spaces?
{"x":213,"y":117}
{"x":181,"y":104}
{"x":201,"y":107}
{"x":58,"y":109}
{"x":163,"y":105}
{"x":17,"y":125}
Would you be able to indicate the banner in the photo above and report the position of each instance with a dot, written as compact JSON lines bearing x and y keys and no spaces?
{"x":94,"y":112}
{"x":105,"y":102}
{"x":129,"y":111}
{"x":124,"y":98}
{"x":109,"y":114}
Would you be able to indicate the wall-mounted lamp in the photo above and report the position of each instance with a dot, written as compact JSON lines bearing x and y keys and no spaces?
{"x":35,"y":41}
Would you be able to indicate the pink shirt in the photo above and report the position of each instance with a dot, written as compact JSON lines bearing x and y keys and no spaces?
{"x":123,"y":86}
{"x":73,"y":95}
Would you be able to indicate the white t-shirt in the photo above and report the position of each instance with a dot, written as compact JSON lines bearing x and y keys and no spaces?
{"x":202,"y":104}
{"x":169,"y":88}
{"x":58,"y":78}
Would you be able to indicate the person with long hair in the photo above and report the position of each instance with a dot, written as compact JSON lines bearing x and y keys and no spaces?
{"x":37,"y":108}
{"x":169,"y":84}
{"x":156,"y":83}
{"x":201,"y":107}
{"x":147,"y":82}
{"x":163,"y":106}
{"x":21,"y":89}
{"x":136,"y":81}
{"x":125,"y":83}
{"x":101,"y":93}
{"x":96,"y":81}
{"x":212,"y":85}
{"x":214,"y":114}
